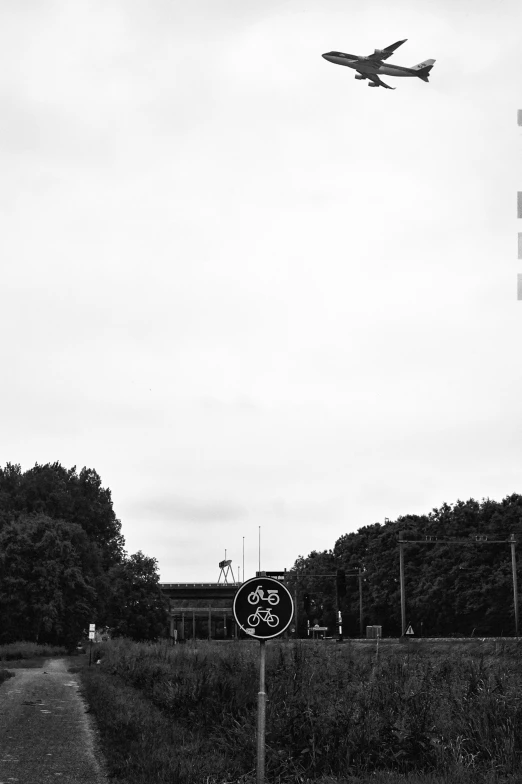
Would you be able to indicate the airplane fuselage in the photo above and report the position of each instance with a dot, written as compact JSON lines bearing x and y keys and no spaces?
{"x":367,"y":65}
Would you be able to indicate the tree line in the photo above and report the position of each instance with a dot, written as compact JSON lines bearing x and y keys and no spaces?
{"x":451,"y":589}
{"x":63,"y":562}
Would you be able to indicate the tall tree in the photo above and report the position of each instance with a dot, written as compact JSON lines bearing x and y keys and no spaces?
{"x":45,"y":593}
{"x":312,"y":582}
{"x":137,"y":607}
{"x":53,"y":490}
{"x":450,"y":588}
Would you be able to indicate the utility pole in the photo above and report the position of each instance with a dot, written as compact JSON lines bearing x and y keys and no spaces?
{"x":515,"y":585}
{"x":360,"y":603}
{"x":295,"y":603}
{"x":403,"y":596}
{"x":435,"y":540}
{"x":339,"y":616}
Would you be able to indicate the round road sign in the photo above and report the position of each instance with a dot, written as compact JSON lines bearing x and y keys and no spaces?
{"x":263,"y":608}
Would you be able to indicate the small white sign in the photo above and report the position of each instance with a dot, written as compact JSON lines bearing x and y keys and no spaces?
{"x":409,"y":630}
{"x":91,"y":635}
{"x":250,"y":631}
{"x":92,"y":627}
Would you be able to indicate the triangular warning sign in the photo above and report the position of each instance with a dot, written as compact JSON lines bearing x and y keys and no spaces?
{"x":409,"y":630}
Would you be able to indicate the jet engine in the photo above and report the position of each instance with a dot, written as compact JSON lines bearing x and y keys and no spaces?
{"x":372,"y":84}
{"x":379,"y":51}
{"x":360,"y":76}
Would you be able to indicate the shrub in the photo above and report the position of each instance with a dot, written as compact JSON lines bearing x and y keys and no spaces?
{"x":5,"y":674}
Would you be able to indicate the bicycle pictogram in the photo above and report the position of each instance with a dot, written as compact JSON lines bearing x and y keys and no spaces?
{"x":259,"y":595}
{"x":254,"y":607}
{"x":263,"y":615}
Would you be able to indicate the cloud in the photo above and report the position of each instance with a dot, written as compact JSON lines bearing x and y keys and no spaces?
{"x":190,"y":510}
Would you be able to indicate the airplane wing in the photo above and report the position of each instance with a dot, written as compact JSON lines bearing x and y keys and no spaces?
{"x":383,"y":54}
{"x":375,"y":79}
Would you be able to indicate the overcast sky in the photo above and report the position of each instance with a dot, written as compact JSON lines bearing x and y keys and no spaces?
{"x":245,"y":288}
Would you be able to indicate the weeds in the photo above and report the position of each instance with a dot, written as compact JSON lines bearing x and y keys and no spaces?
{"x":28,"y":650}
{"x":333,"y":713}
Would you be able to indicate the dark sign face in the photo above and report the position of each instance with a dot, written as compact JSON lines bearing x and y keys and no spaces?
{"x":263,"y":608}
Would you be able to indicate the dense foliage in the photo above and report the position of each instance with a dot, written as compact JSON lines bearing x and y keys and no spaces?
{"x":451,"y":589}
{"x":64,"y":494}
{"x":63,"y":563}
{"x":137,"y":608}
{"x":45,"y":589}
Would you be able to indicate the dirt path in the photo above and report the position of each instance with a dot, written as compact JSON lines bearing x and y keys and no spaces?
{"x":45,"y":733}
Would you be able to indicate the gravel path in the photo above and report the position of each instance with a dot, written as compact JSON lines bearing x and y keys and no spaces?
{"x":45,"y":733}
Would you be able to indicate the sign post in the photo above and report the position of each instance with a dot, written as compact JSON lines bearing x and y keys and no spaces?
{"x":263,"y":609}
{"x":92,"y":628}
{"x":261,"y":715}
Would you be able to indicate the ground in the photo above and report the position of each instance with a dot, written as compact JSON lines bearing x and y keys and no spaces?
{"x":45,"y":732}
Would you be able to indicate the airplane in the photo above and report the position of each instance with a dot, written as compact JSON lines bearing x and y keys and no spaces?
{"x":369,"y":67}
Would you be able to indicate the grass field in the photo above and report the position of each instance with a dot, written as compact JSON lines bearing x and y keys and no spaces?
{"x":421,"y":714}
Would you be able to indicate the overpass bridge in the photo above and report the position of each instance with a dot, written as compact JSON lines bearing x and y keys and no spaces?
{"x":208,"y":605}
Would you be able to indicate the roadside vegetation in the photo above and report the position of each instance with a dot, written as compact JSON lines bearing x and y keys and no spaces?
{"x":63,"y":564}
{"x":4,"y":675}
{"x":334,"y":713}
{"x":457,"y":591}
{"x":29,"y":650}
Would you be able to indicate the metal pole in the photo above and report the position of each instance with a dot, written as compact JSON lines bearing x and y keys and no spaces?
{"x":261,"y":716}
{"x":259,"y":548}
{"x":295,"y":610}
{"x":339,"y":616}
{"x":243,"y":559}
{"x":403,"y":596}
{"x":515,"y":585}
{"x":360,"y":603}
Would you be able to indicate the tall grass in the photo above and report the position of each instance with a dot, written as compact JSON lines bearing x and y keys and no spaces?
{"x":333,"y":711}
{"x":28,"y":650}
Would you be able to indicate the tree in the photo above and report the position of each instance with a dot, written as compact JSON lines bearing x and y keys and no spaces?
{"x":45,"y":593}
{"x":308,"y":578}
{"x":137,"y":607}
{"x":52,"y":490}
{"x":452,"y":589}
{"x":78,"y":498}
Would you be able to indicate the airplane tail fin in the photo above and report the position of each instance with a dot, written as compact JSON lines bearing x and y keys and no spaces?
{"x":423,"y":69}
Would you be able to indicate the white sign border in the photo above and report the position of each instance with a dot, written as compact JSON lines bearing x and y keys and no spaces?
{"x":268,"y":636}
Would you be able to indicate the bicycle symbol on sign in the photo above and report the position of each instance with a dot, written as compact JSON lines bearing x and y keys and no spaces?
{"x":263,"y":615}
{"x":259,"y":595}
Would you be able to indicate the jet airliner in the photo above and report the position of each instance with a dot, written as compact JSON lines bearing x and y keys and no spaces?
{"x":369,"y":67}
